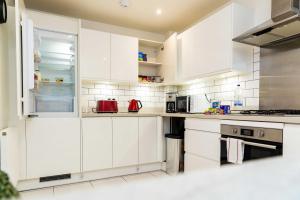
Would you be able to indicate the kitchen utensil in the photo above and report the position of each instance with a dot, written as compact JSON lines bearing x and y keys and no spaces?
{"x":134,"y":105}
{"x":106,"y":106}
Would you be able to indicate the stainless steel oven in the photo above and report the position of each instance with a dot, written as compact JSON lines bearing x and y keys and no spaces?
{"x":183,"y":104}
{"x":259,"y":142}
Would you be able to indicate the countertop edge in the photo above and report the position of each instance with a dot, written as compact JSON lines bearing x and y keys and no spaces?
{"x":237,"y":117}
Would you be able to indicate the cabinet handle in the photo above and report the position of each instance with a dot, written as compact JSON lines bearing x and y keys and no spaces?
{"x":4,"y":133}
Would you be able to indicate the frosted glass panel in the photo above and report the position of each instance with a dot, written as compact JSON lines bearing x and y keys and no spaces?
{"x":55,"y":71}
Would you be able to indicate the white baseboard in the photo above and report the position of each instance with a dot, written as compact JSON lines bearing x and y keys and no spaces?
{"x":89,"y":176}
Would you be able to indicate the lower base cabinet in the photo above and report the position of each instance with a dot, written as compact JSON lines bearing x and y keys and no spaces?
{"x":53,"y":146}
{"x":97,"y":143}
{"x":125,"y":141}
{"x":148,"y":140}
{"x":196,"y":163}
{"x":291,"y":141}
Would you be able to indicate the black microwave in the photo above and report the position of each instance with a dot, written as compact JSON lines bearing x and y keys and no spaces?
{"x":183,"y":104}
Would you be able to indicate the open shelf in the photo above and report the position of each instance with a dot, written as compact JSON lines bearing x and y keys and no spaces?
{"x":154,"y":64}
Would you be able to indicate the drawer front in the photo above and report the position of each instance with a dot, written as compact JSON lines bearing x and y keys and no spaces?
{"x":194,"y":163}
{"x":204,"y":144}
{"x":211,"y":125}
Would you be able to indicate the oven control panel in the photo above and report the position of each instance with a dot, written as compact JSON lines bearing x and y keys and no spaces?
{"x":267,"y":134}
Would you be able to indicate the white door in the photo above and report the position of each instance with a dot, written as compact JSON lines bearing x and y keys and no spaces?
{"x":124,"y":58}
{"x":204,"y":144}
{"x":291,"y":141}
{"x":187,"y":51}
{"x":168,"y":56}
{"x":213,"y":44}
{"x":148,"y":138}
{"x":97,"y":143}
{"x":27,"y":65}
{"x":94,"y":54}
{"x":53,"y":146}
{"x":197,"y":163}
{"x":125,"y":141}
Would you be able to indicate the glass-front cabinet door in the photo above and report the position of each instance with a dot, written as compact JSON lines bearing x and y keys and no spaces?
{"x":51,"y":76}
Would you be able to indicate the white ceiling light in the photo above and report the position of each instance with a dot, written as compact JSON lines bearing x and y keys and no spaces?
{"x":124,"y":3}
{"x":158,"y":11}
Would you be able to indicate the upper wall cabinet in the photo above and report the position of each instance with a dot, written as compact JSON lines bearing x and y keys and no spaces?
{"x":207,"y":48}
{"x":53,"y":22}
{"x":124,"y":58}
{"x":260,"y":10}
{"x":160,"y":60}
{"x":94,"y":54}
{"x":108,"y":57}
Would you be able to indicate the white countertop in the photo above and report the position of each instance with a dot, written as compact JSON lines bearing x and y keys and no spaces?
{"x":239,"y":117}
{"x":268,"y":179}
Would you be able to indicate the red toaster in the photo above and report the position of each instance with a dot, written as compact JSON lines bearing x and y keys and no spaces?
{"x":106,"y":106}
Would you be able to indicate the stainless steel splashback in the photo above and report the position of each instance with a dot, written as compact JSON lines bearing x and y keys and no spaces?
{"x":280,"y":76}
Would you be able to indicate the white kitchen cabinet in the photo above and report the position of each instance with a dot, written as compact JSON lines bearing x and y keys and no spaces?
{"x":196,"y":163}
{"x":125,"y":141}
{"x":210,"y":125}
{"x":53,"y":146}
{"x":52,"y":22}
{"x":124,"y":58}
{"x":291,"y":141}
{"x":148,"y":137}
{"x":169,"y":59}
{"x":204,"y":144}
{"x":97,"y":143}
{"x":94,"y":54}
{"x":207,"y":48}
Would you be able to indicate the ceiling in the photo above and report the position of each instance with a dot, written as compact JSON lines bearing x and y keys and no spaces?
{"x":141,"y":14}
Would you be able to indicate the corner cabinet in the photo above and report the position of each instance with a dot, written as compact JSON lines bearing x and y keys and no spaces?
{"x":207,"y":48}
{"x":52,"y":146}
{"x":108,"y":57}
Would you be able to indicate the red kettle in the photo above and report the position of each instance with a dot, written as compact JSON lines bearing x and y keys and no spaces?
{"x":134,"y":105}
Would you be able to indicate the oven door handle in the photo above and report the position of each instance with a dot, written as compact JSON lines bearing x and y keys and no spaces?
{"x":267,"y":146}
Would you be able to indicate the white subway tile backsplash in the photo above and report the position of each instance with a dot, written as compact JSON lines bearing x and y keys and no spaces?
{"x":118,"y":92}
{"x":256,"y":75}
{"x":252,"y":84}
{"x":256,"y":57}
{"x":84,"y":91}
{"x":256,"y":66}
{"x":94,"y":91}
{"x":251,"y":102}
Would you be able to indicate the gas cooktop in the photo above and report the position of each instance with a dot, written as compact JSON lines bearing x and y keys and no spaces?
{"x":270,"y":112}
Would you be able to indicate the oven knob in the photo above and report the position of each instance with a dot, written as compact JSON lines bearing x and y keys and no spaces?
{"x":261,"y":133}
{"x":234,"y":131}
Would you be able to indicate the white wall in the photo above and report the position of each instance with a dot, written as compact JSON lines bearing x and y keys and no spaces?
{"x":123,"y":31}
{"x":3,"y":76}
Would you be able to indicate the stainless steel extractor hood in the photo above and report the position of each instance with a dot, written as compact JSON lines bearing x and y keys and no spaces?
{"x":284,"y":25}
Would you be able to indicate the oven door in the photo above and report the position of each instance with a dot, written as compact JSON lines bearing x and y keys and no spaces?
{"x":183,"y":104}
{"x":254,"y":149}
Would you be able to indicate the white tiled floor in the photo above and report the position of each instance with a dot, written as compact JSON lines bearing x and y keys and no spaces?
{"x":57,"y":191}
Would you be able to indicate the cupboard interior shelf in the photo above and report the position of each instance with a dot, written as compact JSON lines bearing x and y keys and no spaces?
{"x":150,"y":43}
{"x":154,"y":64}
{"x":56,"y":83}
